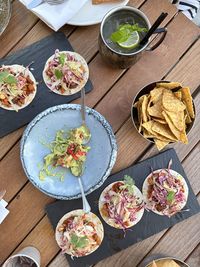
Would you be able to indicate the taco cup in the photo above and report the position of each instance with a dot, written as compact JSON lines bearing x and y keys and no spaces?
{"x":78,"y":233}
{"x":165,"y":192}
{"x":18,"y":87}
{"x":121,"y":207}
{"x":65,"y":72}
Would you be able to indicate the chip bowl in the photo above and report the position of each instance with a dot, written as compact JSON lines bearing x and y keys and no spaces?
{"x":148,"y":261}
{"x":134,"y":114}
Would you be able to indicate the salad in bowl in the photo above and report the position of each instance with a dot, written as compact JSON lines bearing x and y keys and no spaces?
{"x":121,"y":204}
{"x":65,"y":72}
{"x":78,"y":233}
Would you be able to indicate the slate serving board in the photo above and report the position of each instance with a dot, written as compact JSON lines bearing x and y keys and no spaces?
{"x":38,"y":52}
{"x":150,"y":223}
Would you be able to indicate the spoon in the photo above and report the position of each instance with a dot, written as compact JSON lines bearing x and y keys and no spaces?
{"x":86,"y":205}
{"x":86,"y":139}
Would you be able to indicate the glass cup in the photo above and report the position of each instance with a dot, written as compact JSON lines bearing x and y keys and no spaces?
{"x":111,"y":52}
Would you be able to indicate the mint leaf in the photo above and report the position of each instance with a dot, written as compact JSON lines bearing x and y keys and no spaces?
{"x":10,"y":79}
{"x":62,"y":59}
{"x":170,"y":196}
{"x":124,"y":31}
{"x":58,"y":74}
{"x":79,"y":242}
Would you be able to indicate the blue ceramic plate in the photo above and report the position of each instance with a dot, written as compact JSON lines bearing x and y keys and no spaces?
{"x":100,"y":159}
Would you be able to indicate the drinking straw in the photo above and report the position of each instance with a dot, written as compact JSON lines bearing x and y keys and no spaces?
{"x":153,"y":28}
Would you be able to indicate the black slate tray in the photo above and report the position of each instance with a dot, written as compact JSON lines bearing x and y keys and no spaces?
{"x":150,"y":223}
{"x":38,"y":52}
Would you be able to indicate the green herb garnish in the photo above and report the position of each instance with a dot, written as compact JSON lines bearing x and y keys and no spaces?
{"x":128,"y":184}
{"x":62,"y":59}
{"x":7,"y":78}
{"x":58,"y":74}
{"x":124,"y":31}
{"x":170,"y":196}
{"x":79,"y":242}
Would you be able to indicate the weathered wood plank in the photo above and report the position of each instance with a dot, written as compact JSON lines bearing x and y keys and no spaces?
{"x":194,"y":258}
{"x":151,"y":67}
{"x":16,"y":29}
{"x":25,"y":211}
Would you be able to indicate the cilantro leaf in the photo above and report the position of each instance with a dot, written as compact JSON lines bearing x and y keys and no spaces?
{"x":58,"y":74}
{"x":10,"y":79}
{"x":7,"y":78}
{"x":3,"y":75}
{"x":170,"y":196}
{"x":62,"y":59}
{"x":128,"y":184}
{"x":79,"y":242}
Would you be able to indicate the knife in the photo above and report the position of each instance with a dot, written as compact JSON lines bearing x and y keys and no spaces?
{"x":34,"y":3}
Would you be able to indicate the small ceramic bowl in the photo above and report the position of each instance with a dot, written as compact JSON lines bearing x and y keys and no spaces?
{"x":134,"y":114}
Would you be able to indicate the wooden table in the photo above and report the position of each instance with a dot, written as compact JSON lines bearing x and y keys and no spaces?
{"x":177,"y":59}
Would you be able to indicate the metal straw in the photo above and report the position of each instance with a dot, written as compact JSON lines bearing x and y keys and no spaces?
{"x":153,"y":28}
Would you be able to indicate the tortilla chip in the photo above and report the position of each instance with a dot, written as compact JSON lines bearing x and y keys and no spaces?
{"x":171,"y":103}
{"x":144,"y":109}
{"x":139,"y":108}
{"x":147,"y":134}
{"x":187,"y":98}
{"x":187,"y":117}
{"x":170,"y":86}
{"x":164,"y":263}
{"x":160,"y":120}
{"x":156,"y":110}
{"x":156,"y":94}
{"x":178,"y":94}
{"x":135,"y":104}
{"x":148,"y":126}
{"x":163,"y":130}
{"x":181,"y":136}
{"x":178,"y":119}
{"x":160,"y":144}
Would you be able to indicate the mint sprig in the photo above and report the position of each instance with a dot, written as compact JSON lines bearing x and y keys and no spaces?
{"x":124,"y":31}
{"x":79,"y":242}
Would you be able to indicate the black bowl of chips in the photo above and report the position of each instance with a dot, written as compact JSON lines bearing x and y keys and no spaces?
{"x":163,"y":112}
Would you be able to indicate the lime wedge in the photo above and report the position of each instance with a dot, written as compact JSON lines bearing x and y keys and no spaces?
{"x":131,"y":42}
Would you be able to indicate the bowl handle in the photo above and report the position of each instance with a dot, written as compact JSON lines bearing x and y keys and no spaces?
{"x":163,"y":32}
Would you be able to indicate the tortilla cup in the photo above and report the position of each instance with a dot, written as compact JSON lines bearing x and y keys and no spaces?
{"x":145,"y":188}
{"x":68,"y":91}
{"x":90,"y":217}
{"x":17,"y":69}
{"x":110,"y":221}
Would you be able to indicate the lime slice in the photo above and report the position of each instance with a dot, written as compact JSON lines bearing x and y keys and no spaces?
{"x":131,"y":42}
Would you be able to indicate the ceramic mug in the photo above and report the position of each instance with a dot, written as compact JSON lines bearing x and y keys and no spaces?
{"x":114,"y":55}
{"x":29,"y":253}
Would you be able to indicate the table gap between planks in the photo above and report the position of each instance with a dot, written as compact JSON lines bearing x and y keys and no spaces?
{"x":178,"y":58}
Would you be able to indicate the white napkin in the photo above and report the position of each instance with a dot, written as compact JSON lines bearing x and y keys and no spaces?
{"x":55,"y":16}
{"x":3,"y":211}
